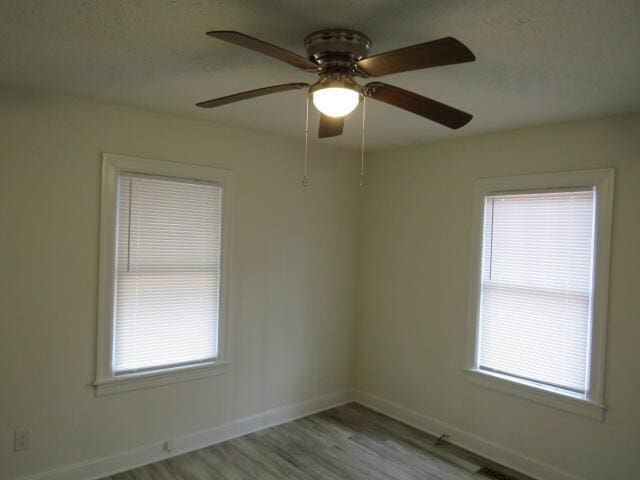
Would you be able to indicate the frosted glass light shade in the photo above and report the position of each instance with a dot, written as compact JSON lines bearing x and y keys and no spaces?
{"x":336,"y":101}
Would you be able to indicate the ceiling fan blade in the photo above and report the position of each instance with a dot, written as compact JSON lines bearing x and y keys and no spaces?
{"x":265,"y":48}
{"x":216,"y":102}
{"x":445,"y":51}
{"x":414,"y":103}
{"x":330,"y":126}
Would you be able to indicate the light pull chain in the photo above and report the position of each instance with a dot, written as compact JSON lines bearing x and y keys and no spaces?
{"x":364,"y":114}
{"x":305,"y":179}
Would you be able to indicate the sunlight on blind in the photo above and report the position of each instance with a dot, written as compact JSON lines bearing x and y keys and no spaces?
{"x":167,"y":273}
{"x":536,"y":286}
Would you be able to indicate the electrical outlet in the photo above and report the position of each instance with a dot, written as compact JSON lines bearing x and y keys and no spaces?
{"x":21,"y":440}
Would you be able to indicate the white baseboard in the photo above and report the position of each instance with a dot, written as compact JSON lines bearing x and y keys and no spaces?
{"x":153,"y":452}
{"x":105,"y":466}
{"x":469,"y":441}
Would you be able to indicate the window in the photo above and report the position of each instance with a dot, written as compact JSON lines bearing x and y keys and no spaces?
{"x":539,"y":287}
{"x":163,"y":273}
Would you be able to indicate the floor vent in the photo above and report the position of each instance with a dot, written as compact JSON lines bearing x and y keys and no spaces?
{"x":491,"y":473}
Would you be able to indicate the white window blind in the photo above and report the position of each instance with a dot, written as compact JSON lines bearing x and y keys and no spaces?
{"x":167,"y":273}
{"x":536,"y":287}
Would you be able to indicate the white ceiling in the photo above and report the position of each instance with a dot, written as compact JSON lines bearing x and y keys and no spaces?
{"x":538,"y":61}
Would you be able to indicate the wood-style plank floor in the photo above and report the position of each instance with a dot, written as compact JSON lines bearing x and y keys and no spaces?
{"x":348,"y":442}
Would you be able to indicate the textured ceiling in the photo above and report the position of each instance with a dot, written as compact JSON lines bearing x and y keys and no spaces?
{"x":537,"y":61}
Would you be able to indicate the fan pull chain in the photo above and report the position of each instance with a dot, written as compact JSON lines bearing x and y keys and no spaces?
{"x":305,"y":179}
{"x":364,"y":114}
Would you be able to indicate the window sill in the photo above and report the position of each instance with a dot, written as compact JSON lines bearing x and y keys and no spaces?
{"x":124,"y":383}
{"x":556,"y":398}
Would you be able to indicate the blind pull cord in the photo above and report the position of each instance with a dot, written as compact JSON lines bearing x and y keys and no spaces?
{"x":129,"y":225}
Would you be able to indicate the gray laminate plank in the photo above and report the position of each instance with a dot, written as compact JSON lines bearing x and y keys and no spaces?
{"x":350,"y":442}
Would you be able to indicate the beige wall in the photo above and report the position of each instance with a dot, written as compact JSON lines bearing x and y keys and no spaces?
{"x":415,"y":280}
{"x":292,"y":293}
{"x":295,"y":283}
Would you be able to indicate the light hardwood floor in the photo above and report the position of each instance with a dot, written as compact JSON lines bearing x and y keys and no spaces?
{"x":348,"y":442}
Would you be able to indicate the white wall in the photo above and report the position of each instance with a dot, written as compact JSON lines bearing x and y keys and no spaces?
{"x":292,"y":293}
{"x":415,"y":280}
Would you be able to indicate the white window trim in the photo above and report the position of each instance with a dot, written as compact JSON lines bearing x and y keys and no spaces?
{"x":106,"y":382}
{"x":591,"y":404}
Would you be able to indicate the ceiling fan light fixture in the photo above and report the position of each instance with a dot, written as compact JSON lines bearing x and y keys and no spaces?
{"x":336,"y":100}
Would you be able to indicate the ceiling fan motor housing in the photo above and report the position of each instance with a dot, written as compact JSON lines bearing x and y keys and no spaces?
{"x":336,"y":50}
{"x":337,"y":47}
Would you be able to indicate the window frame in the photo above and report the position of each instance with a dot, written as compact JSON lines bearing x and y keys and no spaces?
{"x":591,"y":404}
{"x":112,"y":165}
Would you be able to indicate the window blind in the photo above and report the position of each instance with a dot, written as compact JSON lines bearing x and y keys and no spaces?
{"x":536,"y":287}
{"x":167,"y":273}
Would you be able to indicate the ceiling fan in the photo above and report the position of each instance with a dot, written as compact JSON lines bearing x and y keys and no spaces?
{"x":338,"y":57}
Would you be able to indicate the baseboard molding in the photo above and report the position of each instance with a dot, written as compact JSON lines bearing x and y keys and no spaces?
{"x":467,"y":440}
{"x":153,"y":452}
